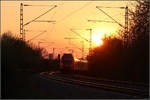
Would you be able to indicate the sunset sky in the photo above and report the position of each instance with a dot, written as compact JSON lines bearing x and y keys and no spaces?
{"x":68,"y":15}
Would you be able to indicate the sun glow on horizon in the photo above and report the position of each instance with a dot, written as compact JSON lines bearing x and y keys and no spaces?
{"x":99,"y":34}
{"x":97,"y":40}
{"x":97,"y":37}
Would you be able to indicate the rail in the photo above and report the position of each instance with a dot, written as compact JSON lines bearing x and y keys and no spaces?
{"x":130,"y":91}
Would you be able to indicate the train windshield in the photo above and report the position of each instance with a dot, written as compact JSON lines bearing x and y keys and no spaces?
{"x":67,"y":59}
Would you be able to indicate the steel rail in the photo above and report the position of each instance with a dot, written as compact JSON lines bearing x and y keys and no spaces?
{"x":108,"y":80}
{"x":124,"y":84}
{"x":129,"y":91}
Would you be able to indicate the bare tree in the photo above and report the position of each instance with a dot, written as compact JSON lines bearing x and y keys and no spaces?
{"x":139,"y":22}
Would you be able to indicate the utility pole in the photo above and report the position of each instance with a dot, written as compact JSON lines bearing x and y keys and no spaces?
{"x":24,"y":34}
{"x":82,"y":49}
{"x":22,"y":31}
{"x":21,"y":21}
{"x":126,"y":37}
{"x":90,"y":40}
{"x":90,"y":43}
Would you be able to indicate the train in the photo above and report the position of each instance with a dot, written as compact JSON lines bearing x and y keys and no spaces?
{"x":67,"y":63}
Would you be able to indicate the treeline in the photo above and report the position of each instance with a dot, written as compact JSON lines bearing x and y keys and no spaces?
{"x":20,"y":60}
{"x":113,"y":60}
{"x":20,"y":55}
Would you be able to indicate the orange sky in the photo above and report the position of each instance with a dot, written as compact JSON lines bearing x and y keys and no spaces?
{"x":68,"y":15}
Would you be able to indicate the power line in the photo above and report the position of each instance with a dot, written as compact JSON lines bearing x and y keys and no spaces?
{"x":69,"y":39}
{"x":37,"y":36}
{"x":44,"y":42}
{"x":49,"y":21}
{"x":82,"y":49}
{"x":90,"y":41}
{"x":100,"y":21}
{"x":36,"y":5}
{"x":22,"y":31}
{"x":79,"y":35}
{"x":88,"y":3}
{"x":53,"y":25}
{"x":110,"y":17}
{"x":40,"y":15}
{"x":110,"y":7}
{"x":8,"y":5}
{"x":126,"y":37}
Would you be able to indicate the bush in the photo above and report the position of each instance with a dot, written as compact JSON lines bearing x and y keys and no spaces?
{"x":17,"y":54}
{"x":113,"y":61}
{"x":19,"y":61}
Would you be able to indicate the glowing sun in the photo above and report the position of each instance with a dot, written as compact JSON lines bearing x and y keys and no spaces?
{"x":97,"y":40}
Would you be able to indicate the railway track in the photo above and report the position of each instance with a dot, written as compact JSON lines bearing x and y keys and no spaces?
{"x":74,"y":79}
{"x":126,"y":84}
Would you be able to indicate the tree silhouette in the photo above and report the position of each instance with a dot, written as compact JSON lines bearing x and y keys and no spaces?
{"x":130,"y":63}
{"x":139,"y":22}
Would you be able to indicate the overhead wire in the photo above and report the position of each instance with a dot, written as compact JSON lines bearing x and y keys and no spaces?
{"x":73,"y":12}
{"x":36,"y":36}
{"x":79,"y":35}
{"x":36,"y":5}
{"x":110,"y":17}
{"x":52,"y":28}
{"x":53,"y":25}
{"x":38,"y":17}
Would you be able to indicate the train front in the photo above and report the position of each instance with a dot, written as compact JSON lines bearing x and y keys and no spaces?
{"x":67,"y":63}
